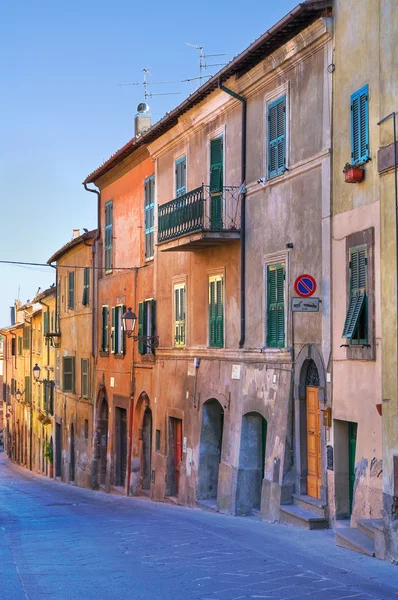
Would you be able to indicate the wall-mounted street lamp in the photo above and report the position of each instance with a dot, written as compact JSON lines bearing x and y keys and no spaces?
{"x":129,"y":320}
{"x":36,"y":372}
{"x":19,"y":394}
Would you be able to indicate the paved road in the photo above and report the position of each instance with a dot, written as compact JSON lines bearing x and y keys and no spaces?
{"x":62,"y":542}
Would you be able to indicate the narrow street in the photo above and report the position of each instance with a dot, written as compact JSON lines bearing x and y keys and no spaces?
{"x":59,"y":541}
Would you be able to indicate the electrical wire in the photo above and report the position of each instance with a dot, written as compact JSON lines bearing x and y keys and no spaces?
{"x":32,"y":264}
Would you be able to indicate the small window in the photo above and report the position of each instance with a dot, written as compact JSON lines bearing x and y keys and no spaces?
{"x":117,"y":332}
{"x":276,"y":306}
{"x":276,"y":146}
{"x":86,"y":287}
{"x":85,"y":380}
{"x":105,"y":329}
{"x":146,"y":326}
{"x":216,"y":312}
{"x":157,"y":441}
{"x":356,"y":322}
{"x":86,"y":429}
{"x":108,"y":236}
{"x":149,"y":216}
{"x":179,"y":314}
{"x":68,"y":374}
{"x":181,"y":176}
{"x":71,"y":290}
{"x":360,"y":126}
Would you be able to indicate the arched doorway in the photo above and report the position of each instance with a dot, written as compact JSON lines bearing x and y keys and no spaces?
{"x":211,"y":436}
{"x":103,"y":429}
{"x":72,"y":454}
{"x":146,"y":449}
{"x":309,"y":396}
{"x":251,"y":463}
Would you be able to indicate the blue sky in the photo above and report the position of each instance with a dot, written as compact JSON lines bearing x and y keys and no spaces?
{"x":63,"y":112}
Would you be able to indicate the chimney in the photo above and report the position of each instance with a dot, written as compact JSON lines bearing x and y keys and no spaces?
{"x":76,"y":233}
{"x":142,"y":120}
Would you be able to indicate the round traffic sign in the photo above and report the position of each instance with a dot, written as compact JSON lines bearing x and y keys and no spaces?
{"x":305,"y":285}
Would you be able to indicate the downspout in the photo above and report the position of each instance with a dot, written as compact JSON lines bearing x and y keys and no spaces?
{"x":242,"y":215}
{"x":132,"y":395}
{"x":387,"y":118}
{"x":97,"y":237}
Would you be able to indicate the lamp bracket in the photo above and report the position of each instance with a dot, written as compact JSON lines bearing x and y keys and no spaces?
{"x":150,"y":341}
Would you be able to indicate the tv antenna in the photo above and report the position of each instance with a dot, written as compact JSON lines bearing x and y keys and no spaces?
{"x":145,"y":83}
{"x":203,"y":65}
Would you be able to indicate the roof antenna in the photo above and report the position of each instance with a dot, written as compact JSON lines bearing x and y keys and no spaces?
{"x":145,"y":83}
{"x":203,"y":64}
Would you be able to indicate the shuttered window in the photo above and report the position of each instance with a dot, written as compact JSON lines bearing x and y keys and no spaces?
{"x":277,"y":137}
{"x":20,"y":345}
{"x":26,"y":337}
{"x":117,"y":332}
{"x":216,"y":312}
{"x":146,"y":325}
{"x":149,"y":216}
{"x":108,"y":236}
{"x":85,"y":388}
{"x":71,"y":290}
{"x":356,"y":322}
{"x":276,"y":306}
{"x":360,"y":126}
{"x":68,"y":374}
{"x":28,"y":395}
{"x":216,"y":182}
{"x":45,"y":323}
{"x":105,"y":329}
{"x":181,"y":176}
{"x":86,"y":287}
{"x":179,"y":314}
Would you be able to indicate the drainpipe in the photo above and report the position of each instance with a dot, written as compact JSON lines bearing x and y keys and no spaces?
{"x":97,"y":237}
{"x":132,"y":395}
{"x":242,"y":215}
{"x":387,"y":118}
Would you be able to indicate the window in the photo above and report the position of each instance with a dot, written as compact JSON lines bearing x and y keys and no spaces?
{"x":13,"y":386}
{"x":149,"y":216}
{"x":276,"y":137}
{"x":157,"y":440}
{"x":20,"y":340}
{"x":359,"y":126}
{"x":146,"y":325}
{"x":276,"y":306}
{"x":179,"y":314}
{"x":71,"y":290}
{"x":68,"y":374}
{"x":216,"y":312}
{"x":13,"y":346}
{"x":86,"y":287}
{"x":26,"y":337}
{"x":85,"y":387}
{"x":117,"y":332}
{"x":48,"y":397}
{"x":216,"y":182}
{"x":356,"y":322}
{"x":108,"y":236}
{"x":105,"y":329}
{"x":181,"y":176}
{"x":45,"y":323}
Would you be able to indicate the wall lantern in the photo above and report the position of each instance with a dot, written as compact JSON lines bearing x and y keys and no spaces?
{"x":129,"y":319}
{"x":18,"y":395}
{"x":36,"y":372}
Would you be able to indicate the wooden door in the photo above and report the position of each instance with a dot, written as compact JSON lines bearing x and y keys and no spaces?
{"x":314,"y":478}
{"x":177,"y":425}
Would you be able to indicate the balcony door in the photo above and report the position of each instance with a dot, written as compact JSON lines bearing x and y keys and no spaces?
{"x":216,"y":182}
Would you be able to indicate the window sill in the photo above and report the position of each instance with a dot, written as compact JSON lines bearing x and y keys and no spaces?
{"x":104,"y":353}
{"x":119,"y":356}
{"x":148,"y":358}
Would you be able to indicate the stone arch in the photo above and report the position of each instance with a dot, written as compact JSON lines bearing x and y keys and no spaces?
{"x":210,"y":449}
{"x":308,"y":363}
{"x":251,"y":462}
{"x":137,"y":483}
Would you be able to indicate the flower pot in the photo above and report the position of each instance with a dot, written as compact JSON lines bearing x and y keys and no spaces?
{"x":51,"y":471}
{"x":354,"y":175}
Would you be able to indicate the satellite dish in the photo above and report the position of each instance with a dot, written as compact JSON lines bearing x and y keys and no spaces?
{"x":143,"y":107}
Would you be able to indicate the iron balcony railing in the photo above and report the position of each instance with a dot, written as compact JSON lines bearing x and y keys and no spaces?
{"x":199,"y":210}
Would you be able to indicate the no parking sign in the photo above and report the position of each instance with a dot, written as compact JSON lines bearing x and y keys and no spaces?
{"x":305,"y":285}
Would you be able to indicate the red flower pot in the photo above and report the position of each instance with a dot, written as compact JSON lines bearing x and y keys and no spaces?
{"x":354,"y":175}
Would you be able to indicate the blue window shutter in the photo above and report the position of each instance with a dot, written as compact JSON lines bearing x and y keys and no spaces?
{"x":141,"y":346}
{"x":276,"y":306}
{"x":360,"y":126}
{"x":181,"y":176}
{"x":277,"y":137}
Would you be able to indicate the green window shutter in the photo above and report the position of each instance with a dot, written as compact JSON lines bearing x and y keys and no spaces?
{"x":219,"y":314}
{"x":216,"y":312}
{"x":360,"y":126}
{"x":85,"y":365}
{"x":216,"y":165}
{"x":86,"y":287}
{"x":212,"y":313}
{"x":277,"y":137}
{"x":276,"y":306}
{"x":71,"y":290}
{"x":141,"y":315}
{"x":113,"y":331}
{"x":68,"y":374}
{"x":105,"y":327}
{"x":45,"y":323}
{"x":149,"y":216}
{"x":28,"y":397}
{"x":358,"y":290}
{"x":20,"y":340}
{"x":181,"y":176}
{"x":109,"y":236}
{"x":179,"y":314}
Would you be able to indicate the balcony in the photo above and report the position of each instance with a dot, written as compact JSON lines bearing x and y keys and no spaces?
{"x":199,"y":219}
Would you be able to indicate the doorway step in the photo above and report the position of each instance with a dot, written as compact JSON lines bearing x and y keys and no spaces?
{"x":361,"y":538}
{"x":305,"y":512}
{"x":209,"y":504}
